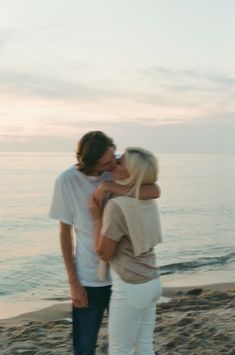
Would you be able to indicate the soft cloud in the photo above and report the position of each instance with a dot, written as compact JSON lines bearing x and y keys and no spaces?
{"x":162,"y":95}
{"x":5,"y":37}
{"x":49,"y":87}
{"x":132,"y":70}
{"x":203,"y":137}
{"x":189,"y":82}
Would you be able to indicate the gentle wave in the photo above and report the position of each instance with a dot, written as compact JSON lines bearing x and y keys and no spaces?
{"x":195,"y":264}
{"x":42,"y":272}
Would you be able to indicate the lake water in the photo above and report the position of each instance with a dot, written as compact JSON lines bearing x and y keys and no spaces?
{"x":197,"y":212}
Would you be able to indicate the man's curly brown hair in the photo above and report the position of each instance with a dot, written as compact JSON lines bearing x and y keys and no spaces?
{"x":92,"y":146}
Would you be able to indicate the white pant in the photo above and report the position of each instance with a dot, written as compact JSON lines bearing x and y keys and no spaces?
{"x":132,"y":316}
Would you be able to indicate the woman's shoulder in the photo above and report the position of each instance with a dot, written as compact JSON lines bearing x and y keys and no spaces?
{"x":113,"y":212}
{"x":119,"y":200}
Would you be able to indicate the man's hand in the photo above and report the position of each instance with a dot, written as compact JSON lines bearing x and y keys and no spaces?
{"x":100,"y":192}
{"x":95,"y":209}
{"x":109,"y":187}
{"x":79,"y":295}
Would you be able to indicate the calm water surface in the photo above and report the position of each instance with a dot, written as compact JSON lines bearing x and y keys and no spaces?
{"x":197,"y":212}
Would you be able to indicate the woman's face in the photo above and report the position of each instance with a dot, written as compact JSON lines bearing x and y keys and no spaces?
{"x":120,"y":172}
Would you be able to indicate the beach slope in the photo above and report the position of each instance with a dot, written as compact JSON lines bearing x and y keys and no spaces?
{"x":196,"y":321}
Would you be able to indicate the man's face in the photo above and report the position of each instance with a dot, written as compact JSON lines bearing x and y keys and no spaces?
{"x":107,"y":162}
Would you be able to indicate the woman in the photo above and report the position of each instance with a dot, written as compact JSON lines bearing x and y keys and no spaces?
{"x":125,"y":237}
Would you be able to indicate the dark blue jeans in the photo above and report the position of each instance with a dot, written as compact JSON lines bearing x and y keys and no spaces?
{"x":87,"y":321}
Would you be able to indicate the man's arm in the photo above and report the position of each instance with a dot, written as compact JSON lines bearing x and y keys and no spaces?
{"x":78,"y":292}
{"x":147,"y":192}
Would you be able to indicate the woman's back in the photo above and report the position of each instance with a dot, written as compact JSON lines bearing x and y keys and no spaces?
{"x":135,"y":225}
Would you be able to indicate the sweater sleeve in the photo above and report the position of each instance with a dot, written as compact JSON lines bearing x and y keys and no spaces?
{"x":114,"y":223}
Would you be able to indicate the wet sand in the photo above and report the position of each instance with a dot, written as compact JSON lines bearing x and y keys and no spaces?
{"x":195,"y":321}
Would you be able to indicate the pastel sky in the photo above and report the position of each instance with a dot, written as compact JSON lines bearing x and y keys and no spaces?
{"x":153,"y":73}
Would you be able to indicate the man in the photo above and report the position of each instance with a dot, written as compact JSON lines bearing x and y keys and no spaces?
{"x":73,"y":190}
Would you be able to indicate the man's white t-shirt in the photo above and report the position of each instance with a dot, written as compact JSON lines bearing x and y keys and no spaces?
{"x":72,"y":192}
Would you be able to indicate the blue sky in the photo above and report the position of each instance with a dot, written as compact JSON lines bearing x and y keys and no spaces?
{"x":154,"y":73}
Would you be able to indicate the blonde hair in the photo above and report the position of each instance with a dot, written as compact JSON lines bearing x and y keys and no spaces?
{"x":142,"y":167}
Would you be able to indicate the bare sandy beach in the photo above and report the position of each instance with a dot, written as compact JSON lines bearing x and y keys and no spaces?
{"x":195,"y":321}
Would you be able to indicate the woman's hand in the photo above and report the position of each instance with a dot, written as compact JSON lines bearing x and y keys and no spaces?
{"x":95,"y":209}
